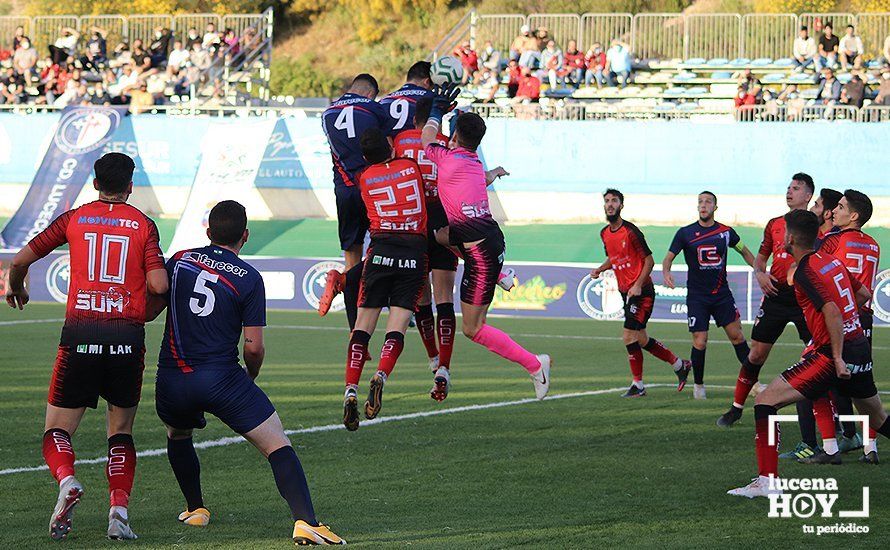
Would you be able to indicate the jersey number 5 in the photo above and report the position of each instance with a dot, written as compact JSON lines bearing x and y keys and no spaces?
{"x":201,"y":288}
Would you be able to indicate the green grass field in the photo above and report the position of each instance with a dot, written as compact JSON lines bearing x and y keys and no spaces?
{"x":587,"y":471}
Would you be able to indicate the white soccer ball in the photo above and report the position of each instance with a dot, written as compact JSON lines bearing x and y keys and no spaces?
{"x":446,"y":70}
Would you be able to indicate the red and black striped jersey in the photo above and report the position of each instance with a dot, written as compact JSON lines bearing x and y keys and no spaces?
{"x":393,"y":195}
{"x":821,"y":278}
{"x":627,"y":250}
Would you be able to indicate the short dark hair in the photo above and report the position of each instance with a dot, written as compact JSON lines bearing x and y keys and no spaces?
{"x":114,"y":172}
{"x":859,"y":203}
{"x":470,"y":129}
{"x":706,"y":192}
{"x":851,"y":27}
{"x":804,"y":225}
{"x":804,"y":28}
{"x":375,"y":146}
{"x":806,"y":179}
{"x":827,"y":26}
{"x":613,"y":191}
{"x":368,"y":80}
{"x":227,"y":222}
{"x":830,"y":198}
{"x":422,"y":108}
{"x":419,"y":70}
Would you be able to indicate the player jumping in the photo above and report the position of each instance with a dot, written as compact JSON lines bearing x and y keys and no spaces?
{"x":115,"y":259}
{"x":628,"y":255}
{"x":395,"y":267}
{"x":779,"y":306}
{"x":705,"y":245}
{"x":462,"y":184}
{"x":215,"y":297}
{"x":839,"y":355}
{"x":344,"y":122}
{"x":401,"y":104}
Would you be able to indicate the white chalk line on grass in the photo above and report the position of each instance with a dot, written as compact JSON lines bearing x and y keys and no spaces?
{"x":232,"y":440}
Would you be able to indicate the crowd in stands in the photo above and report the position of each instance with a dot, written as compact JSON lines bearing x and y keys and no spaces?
{"x":80,"y":69}
{"x":536,"y":65}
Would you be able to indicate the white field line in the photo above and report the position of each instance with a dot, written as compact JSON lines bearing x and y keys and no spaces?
{"x":232,"y":440}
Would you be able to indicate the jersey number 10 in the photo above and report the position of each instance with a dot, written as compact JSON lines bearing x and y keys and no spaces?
{"x":111,"y":245}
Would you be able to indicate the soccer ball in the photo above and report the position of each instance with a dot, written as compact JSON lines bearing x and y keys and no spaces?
{"x":446,"y":70}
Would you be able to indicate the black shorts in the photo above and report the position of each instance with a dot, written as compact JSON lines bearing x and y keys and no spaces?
{"x":182,"y":398}
{"x":83,"y":372}
{"x":393,"y":276}
{"x":352,"y":217}
{"x":700,"y":310}
{"x":482,"y":267}
{"x":775,"y":313}
{"x":867,"y":320}
{"x":815,"y":374}
{"x":440,"y":257}
{"x":638,"y":309}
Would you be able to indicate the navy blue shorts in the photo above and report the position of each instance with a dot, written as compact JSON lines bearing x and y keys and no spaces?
{"x":700,"y":311}
{"x":352,"y":217}
{"x":182,"y":398}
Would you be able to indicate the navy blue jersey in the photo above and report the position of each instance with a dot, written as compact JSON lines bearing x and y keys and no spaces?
{"x":400,"y":106}
{"x":344,"y":122}
{"x":213,"y":295}
{"x":705,"y":250}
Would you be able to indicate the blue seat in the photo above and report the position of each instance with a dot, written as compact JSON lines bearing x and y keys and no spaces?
{"x":667,"y":106}
{"x":688,"y":106}
{"x":682,"y":77}
{"x":740,"y":62}
{"x":718,"y":61}
{"x":800,"y":77}
{"x":844,"y":77}
{"x":720,"y":75}
{"x":784,"y":62}
{"x":773,"y":77}
{"x":874,"y":64}
{"x":762,"y":62}
{"x":809,"y":94}
{"x":695,"y":61}
{"x":559,"y":93}
{"x":675,"y":91}
{"x":696,"y":90}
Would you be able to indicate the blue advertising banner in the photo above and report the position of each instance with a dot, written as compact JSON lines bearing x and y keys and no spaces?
{"x":544,"y":290}
{"x":77,"y":143}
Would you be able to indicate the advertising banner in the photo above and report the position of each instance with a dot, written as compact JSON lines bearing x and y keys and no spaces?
{"x":77,"y":143}
{"x":544,"y":290}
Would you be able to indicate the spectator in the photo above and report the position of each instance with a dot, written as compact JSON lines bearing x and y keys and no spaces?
{"x":804,"y":53}
{"x":883,"y":97}
{"x":851,"y":49}
{"x":24,"y":61}
{"x":122,"y":56}
{"x":199,"y":57}
{"x":552,"y":60}
{"x":178,"y":57}
{"x":97,"y":51}
{"x":64,"y":46}
{"x":529,"y":90}
{"x":211,"y":39}
{"x":192,"y":38}
{"x":829,"y":91}
{"x":595,"y":63}
{"x":140,"y":57}
{"x":159,"y":49}
{"x":490,"y":58}
{"x":618,"y":64}
{"x":514,"y":73}
{"x":99,"y":95}
{"x":233,"y":43}
{"x":468,"y":60}
{"x":887,"y":50}
{"x":828,"y":48}
{"x":12,"y":88}
{"x":542,"y":35}
{"x":124,"y":83}
{"x":489,"y":84}
{"x":744,"y":99}
{"x":751,"y":83}
{"x":63,"y":75}
{"x":249,"y":42}
{"x":17,"y":37}
{"x":140,"y":99}
{"x":573,"y":69}
{"x":853,"y":92}
{"x":525,"y":48}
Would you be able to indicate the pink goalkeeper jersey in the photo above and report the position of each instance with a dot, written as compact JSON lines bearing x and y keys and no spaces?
{"x":463,"y":192}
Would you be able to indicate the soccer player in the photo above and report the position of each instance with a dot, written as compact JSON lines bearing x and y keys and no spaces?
{"x":462,"y":184}
{"x":860,"y":253}
{"x":779,"y":305}
{"x":401,"y":105}
{"x":395,"y":267}
{"x":437,"y":335}
{"x":628,"y":255}
{"x":214,"y":298}
{"x":115,"y":260}
{"x":344,"y":122}
{"x":839,"y":355}
{"x":705,"y":245}
{"x":821,"y":411}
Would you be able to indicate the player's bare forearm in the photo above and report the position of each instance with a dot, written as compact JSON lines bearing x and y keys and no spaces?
{"x":254,"y":350}
{"x":495,"y":173}
{"x":648,"y":264}
{"x":157,"y":282}
{"x":429,"y":132}
{"x":747,"y":256}
{"x":666,"y":265}
{"x":154,"y":306}
{"x":863,"y":295}
{"x":605,"y":266}
{"x":834,"y":322}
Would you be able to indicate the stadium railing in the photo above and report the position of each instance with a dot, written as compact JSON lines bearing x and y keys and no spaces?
{"x":669,"y":36}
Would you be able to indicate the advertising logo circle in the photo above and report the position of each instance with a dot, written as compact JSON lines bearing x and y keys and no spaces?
{"x":600,"y":298}
{"x":58,"y":275}
{"x":84,"y":130}
{"x":314,"y":281}
{"x":881,"y":297}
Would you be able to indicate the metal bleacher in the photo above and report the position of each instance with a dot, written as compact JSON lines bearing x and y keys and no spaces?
{"x":684,"y":64}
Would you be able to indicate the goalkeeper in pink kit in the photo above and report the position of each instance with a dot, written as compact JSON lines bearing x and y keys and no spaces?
{"x":462,"y":183}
